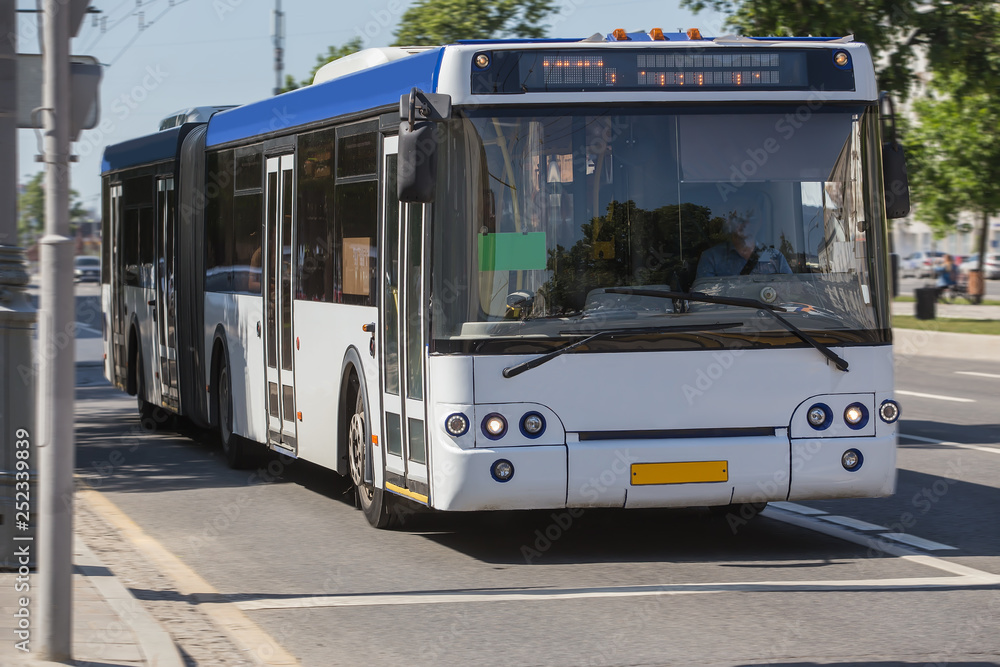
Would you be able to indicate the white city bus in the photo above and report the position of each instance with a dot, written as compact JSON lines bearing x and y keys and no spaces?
{"x":643,"y":271}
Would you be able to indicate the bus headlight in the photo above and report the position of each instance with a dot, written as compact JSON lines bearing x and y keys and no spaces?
{"x":532,"y":425}
{"x":852,"y":460}
{"x":856,"y":416}
{"x":494,"y":426}
{"x":819,"y":416}
{"x":889,"y":411}
{"x":457,"y":424}
{"x":502,"y":470}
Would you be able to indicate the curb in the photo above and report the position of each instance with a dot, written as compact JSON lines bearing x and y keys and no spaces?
{"x":154,"y":642}
{"x":945,"y":345}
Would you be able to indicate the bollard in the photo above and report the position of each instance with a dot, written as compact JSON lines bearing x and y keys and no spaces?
{"x":17,"y":411}
{"x":926,"y":302}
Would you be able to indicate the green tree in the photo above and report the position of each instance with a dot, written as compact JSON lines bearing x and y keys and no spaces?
{"x":31,"y":210}
{"x":950,"y":35}
{"x":433,"y":22}
{"x":954,"y":156}
{"x":332,"y":53}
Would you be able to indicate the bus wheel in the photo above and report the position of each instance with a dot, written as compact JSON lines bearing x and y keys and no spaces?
{"x":373,"y":501}
{"x":151,"y":417}
{"x":233,"y":446}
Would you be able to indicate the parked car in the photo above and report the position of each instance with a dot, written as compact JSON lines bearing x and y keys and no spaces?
{"x":991,"y":270}
{"x":920,"y":264}
{"x":87,"y":268}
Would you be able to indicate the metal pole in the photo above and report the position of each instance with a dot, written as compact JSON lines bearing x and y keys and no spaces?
{"x":279,"y":51}
{"x":56,"y":352}
{"x":8,"y":122}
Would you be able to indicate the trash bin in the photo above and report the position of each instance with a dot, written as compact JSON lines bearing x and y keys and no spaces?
{"x":926,"y":301}
{"x":975,"y":290}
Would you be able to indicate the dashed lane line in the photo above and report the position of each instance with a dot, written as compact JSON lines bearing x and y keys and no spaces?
{"x":977,"y":374}
{"x":936,"y":397}
{"x":851,"y":522}
{"x":919,"y":542}
{"x":962,"y":445}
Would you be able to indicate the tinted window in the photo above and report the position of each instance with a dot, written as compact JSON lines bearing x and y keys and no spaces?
{"x":219,"y":222}
{"x":315,"y":277}
{"x":357,"y":212}
{"x":247,"y":212}
{"x":249,"y":173}
{"x":357,"y":148}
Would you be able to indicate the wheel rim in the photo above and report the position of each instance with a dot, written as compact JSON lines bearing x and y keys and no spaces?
{"x":224,"y":427}
{"x":356,"y":438}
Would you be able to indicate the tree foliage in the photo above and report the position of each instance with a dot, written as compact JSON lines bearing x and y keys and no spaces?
{"x":432,"y":22}
{"x":963,"y":36}
{"x":31,"y":210}
{"x":332,"y":53}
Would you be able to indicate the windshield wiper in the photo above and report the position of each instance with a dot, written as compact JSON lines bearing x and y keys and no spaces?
{"x":770,"y":309}
{"x":511,"y":371}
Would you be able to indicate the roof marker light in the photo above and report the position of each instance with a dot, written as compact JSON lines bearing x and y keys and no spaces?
{"x":694,"y":33}
{"x":656,"y":34}
{"x":620,"y":35}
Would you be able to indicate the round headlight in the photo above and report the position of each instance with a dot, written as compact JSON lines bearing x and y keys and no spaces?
{"x":856,"y":415}
{"x":889,"y":411}
{"x":494,"y":426}
{"x":532,"y":425}
{"x":819,"y":416}
{"x":502,"y":470}
{"x":457,"y":424}
{"x":852,"y":460}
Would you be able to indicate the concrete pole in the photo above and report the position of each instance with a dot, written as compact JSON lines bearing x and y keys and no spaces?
{"x":8,"y":122}
{"x":279,"y":46}
{"x":56,"y":352}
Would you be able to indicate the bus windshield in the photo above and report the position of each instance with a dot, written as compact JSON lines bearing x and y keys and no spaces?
{"x":542,"y":215}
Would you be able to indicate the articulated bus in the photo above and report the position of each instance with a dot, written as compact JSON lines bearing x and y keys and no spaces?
{"x":645,"y":270}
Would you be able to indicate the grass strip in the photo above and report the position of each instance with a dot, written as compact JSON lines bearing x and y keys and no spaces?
{"x":949,"y":324}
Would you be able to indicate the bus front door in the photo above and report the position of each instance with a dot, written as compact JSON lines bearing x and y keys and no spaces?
{"x":278,"y":337}
{"x":403,"y":334}
{"x":166,"y":310}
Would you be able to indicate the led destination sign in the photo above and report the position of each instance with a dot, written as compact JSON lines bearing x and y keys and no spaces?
{"x":648,"y":69}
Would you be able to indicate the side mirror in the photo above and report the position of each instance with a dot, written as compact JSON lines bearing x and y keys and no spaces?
{"x":416,"y":176}
{"x":895,"y":184}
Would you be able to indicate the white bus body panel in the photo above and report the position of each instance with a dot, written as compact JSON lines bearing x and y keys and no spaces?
{"x":239,"y":315}
{"x":607,"y":398}
{"x":323,"y":334}
{"x":106,"y":333}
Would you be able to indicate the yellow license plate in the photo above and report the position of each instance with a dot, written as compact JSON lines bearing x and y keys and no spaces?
{"x":682,"y":472}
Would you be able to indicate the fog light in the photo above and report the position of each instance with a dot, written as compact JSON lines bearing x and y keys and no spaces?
{"x":457,"y":424}
{"x":889,"y":411}
{"x":494,"y":426}
{"x":856,"y":416}
{"x":502,"y":470}
{"x":532,"y":425}
{"x":852,"y":460}
{"x":819,"y":416}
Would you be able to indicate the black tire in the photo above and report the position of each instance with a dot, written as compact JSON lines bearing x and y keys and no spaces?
{"x":152,"y":418}
{"x":374,"y":502}
{"x":236,"y":448}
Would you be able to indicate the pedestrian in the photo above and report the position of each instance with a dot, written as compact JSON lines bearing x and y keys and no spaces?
{"x":945,"y":272}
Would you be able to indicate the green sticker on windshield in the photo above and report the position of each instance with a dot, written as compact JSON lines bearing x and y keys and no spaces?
{"x":512,"y":251}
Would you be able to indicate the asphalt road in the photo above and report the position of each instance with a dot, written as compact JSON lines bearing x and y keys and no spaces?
{"x":599,"y":588}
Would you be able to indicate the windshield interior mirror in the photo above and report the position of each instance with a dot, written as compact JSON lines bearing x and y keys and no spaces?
{"x":418,"y":144}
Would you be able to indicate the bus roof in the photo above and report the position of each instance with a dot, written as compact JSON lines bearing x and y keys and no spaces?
{"x":159,"y":147}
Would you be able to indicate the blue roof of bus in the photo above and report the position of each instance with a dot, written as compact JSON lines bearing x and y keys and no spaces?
{"x":368,"y":89}
{"x":164,"y":145}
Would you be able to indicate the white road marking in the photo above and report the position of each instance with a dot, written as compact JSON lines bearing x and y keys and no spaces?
{"x":856,"y":524}
{"x":919,"y":542}
{"x":84,"y":327}
{"x":936,"y":397}
{"x":977,"y":448}
{"x":798,"y":509}
{"x":982,"y":375}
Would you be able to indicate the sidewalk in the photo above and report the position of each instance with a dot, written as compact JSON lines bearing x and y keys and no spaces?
{"x":961,"y":310}
{"x":110,"y":627}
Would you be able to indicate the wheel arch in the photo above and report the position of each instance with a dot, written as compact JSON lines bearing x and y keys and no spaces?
{"x":347,"y":396}
{"x":220,"y":352}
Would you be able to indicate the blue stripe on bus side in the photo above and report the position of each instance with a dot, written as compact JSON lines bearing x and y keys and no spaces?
{"x":367,"y":89}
